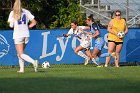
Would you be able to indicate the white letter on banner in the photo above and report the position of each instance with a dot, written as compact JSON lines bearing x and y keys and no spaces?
{"x":106,"y":41}
{"x":74,"y":43}
{"x":44,"y":50}
{"x":63,"y":47}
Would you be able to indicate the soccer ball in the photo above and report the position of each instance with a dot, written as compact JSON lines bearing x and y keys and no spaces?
{"x":121,"y":34}
{"x":45,"y":64}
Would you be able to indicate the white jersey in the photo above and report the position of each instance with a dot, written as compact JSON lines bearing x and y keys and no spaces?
{"x":21,"y":27}
{"x":78,"y":33}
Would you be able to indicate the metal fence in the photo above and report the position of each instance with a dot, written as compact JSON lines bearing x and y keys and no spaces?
{"x":103,"y":10}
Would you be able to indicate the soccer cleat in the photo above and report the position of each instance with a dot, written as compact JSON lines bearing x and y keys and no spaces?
{"x":105,"y":65}
{"x":20,"y":71}
{"x":113,"y":55}
{"x":86,"y":61}
{"x":94,"y":61}
{"x":117,"y":66}
{"x":99,"y":66}
{"x":35,"y":65}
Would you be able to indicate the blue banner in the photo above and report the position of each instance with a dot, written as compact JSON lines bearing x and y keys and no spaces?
{"x":49,"y":45}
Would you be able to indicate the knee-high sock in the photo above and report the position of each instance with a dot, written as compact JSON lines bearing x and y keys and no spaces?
{"x":102,"y":55}
{"x":27,"y":58}
{"x":80,"y":53}
{"x":95,"y":60}
{"x":105,"y":55}
{"x":21,"y":64}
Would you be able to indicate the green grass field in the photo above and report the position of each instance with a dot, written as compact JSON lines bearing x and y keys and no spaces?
{"x":71,"y":79}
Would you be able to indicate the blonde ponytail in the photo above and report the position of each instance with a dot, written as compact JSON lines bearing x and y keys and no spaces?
{"x":17,"y":9}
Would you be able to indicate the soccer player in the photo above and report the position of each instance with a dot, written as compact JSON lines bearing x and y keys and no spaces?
{"x":82,"y":37}
{"x":18,"y":19}
{"x":116,"y":25}
{"x":99,"y":41}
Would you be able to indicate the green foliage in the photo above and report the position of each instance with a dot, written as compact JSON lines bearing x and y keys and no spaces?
{"x":4,"y":25}
{"x":66,"y":14}
{"x":49,"y":13}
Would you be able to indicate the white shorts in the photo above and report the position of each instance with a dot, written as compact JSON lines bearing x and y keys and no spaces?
{"x":23,"y":40}
{"x":86,"y":44}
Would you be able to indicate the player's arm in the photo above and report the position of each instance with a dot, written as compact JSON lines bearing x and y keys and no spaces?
{"x":88,"y":33}
{"x":97,"y":33}
{"x":70,"y":32}
{"x":84,"y":27}
{"x":66,"y":35}
{"x":109,"y":28}
{"x":81,"y":29}
{"x":11,"y":20}
{"x":126,"y":29}
{"x":31,"y":18}
{"x":11,"y":24}
{"x":33,"y":23}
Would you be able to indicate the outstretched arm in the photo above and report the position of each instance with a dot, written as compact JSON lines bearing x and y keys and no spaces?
{"x":66,"y":35}
{"x":89,"y":33}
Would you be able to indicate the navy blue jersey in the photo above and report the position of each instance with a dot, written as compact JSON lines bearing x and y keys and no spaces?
{"x":99,"y":41}
{"x":94,"y":27}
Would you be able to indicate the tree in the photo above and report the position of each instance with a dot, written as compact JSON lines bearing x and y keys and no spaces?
{"x":51,"y":13}
{"x":67,"y":12}
{"x":5,"y":8}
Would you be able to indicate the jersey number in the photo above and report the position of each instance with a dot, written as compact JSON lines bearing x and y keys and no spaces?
{"x":22,"y":20}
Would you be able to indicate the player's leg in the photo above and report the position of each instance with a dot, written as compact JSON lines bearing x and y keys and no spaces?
{"x":88,"y":53}
{"x":99,"y":43}
{"x":113,"y":55}
{"x":86,"y":45}
{"x":21,"y":65}
{"x":111,"y":46}
{"x":20,"y":45}
{"x":79,"y":52}
{"x":105,"y":55}
{"x":35,"y":64}
{"x":99,"y":55}
{"x":118,"y":49}
{"x":20,"y":50}
{"x":95,"y":55}
{"x":100,"y":46}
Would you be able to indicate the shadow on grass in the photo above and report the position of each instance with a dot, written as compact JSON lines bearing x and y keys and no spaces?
{"x":67,"y":85}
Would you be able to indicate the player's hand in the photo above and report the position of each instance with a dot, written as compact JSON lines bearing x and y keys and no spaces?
{"x":88,"y":39}
{"x":81,"y":29}
{"x":116,"y":34}
{"x":65,"y":35}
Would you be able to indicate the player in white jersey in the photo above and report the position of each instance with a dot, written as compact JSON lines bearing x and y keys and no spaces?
{"x":85,"y":44}
{"x":19,"y":19}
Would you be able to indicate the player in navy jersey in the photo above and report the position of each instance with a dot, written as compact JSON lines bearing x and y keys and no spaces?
{"x":99,"y":41}
{"x":19,"y":19}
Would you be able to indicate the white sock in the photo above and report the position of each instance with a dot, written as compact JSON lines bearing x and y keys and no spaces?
{"x":94,"y":61}
{"x":27,"y":58}
{"x":21,"y":64}
{"x":80,"y":53}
